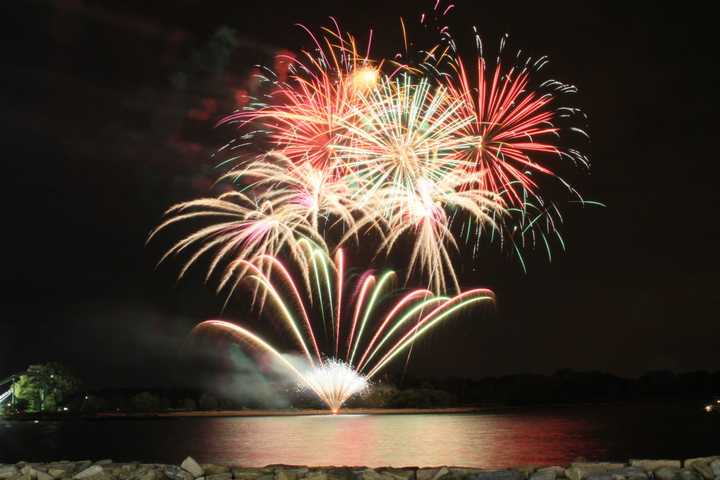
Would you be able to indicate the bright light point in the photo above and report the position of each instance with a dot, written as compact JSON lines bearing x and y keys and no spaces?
{"x":708,"y":408}
{"x":364,"y":78}
{"x":334,"y":382}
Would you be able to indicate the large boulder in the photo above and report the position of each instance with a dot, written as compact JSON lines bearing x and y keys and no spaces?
{"x":142,"y":473}
{"x":667,"y":473}
{"x":190,"y":465}
{"x":547,"y":473}
{"x":507,"y":474}
{"x":315,"y":475}
{"x":340,"y":474}
{"x":7,"y":471}
{"x":689,"y":474}
{"x":715,"y":465}
{"x":704,"y":470}
{"x":290,"y":473}
{"x":581,"y":470}
{"x":249,"y":473}
{"x":88,"y":472}
{"x":690,"y":462}
{"x":219,"y":476}
{"x":629,"y":473}
{"x":212,"y":469}
{"x":652,"y":465}
{"x":432,"y":473}
{"x":173,"y":472}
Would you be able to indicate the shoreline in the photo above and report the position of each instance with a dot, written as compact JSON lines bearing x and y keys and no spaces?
{"x":178,"y":414}
{"x":293,"y":413}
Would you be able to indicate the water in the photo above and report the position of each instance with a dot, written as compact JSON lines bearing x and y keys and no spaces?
{"x":542,"y":437}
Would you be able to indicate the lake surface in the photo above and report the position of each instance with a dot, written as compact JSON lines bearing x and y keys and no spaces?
{"x":514,"y":437}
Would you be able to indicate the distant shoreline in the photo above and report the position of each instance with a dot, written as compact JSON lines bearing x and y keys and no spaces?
{"x":291,"y":413}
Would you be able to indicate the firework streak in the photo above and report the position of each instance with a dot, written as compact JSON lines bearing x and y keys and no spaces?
{"x":359,"y":333}
{"x":424,"y":153}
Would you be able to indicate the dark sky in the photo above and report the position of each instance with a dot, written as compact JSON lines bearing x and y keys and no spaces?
{"x":96,"y":145}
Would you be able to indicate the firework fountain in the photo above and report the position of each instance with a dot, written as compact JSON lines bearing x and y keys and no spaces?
{"x":419,"y":148}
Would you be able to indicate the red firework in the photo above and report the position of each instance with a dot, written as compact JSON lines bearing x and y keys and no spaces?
{"x":510,"y":127}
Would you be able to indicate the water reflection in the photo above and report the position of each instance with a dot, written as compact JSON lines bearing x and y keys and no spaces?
{"x":486,"y":440}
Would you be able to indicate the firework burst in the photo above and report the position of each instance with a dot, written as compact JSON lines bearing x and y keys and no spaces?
{"x":354,"y":334}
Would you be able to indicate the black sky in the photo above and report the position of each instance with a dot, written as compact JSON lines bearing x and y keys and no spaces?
{"x":88,"y":175}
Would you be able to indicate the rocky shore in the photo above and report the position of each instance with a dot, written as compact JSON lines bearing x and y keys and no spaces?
{"x":704,"y":468}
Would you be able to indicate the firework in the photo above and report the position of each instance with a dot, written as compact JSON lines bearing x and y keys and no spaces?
{"x":418,"y":150}
{"x":358,"y":334}
{"x":511,"y":125}
{"x":243,"y":228}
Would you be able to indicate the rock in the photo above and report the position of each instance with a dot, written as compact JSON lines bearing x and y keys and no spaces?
{"x":704,"y":470}
{"x":193,"y":467}
{"x":667,"y":473}
{"x":140,"y":472}
{"x":496,"y":475}
{"x":652,"y":465}
{"x":369,"y":474}
{"x":88,"y":472}
{"x":688,"y":474}
{"x":177,"y":473}
{"x":315,"y":475}
{"x":527,"y":470}
{"x":397,"y":473}
{"x":8,"y":471}
{"x":28,"y":471}
{"x":340,"y":474}
{"x":219,"y":476}
{"x":688,"y":463}
{"x":212,"y":469}
{"x":103,"y":462}
{"x":40,"y":475}
{"x":715,"y":465}
{"x":432,"y":473}
{"x":580,"y":470}
{"x":629,"y":473}
{"x":290,"y":473}
{"x":56,"y":472}
{"x":550,"y":473}
{"x":599,"y":476}
{"x":247,"y":473}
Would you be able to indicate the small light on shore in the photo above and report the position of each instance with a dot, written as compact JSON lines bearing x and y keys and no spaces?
{"x":708,"y":408}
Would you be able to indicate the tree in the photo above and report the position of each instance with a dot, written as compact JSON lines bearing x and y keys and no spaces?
{"x":145,"y":402}
{"x":208,"y":402}
{"x":188,"y":404}
{"x":45,"y":387}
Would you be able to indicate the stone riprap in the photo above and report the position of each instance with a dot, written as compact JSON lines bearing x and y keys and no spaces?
{"x":702,"y":468}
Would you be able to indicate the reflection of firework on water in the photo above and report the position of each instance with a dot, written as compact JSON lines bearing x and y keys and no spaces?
{"x":358,"y":334}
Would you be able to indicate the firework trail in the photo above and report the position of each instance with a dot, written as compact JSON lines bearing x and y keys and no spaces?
{"x":359,"y":333}
{"x":424,"y":149}
{"x":416,"y":147}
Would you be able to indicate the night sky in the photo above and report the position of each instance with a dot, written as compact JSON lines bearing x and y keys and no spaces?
{"x":97,"y":145}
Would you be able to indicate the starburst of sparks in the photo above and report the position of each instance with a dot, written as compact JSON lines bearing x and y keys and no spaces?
{"x":353,"y":334}
{"x":422,"y":149}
